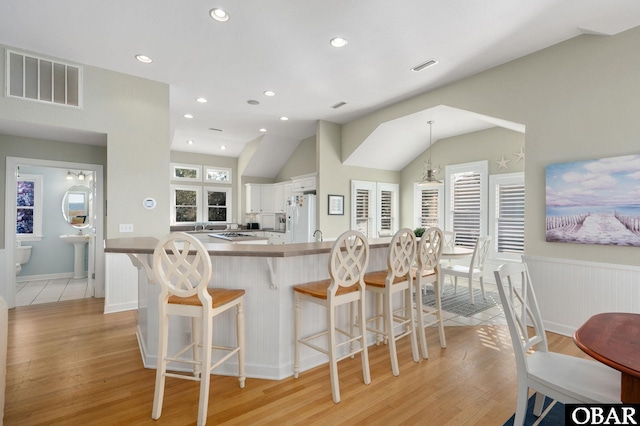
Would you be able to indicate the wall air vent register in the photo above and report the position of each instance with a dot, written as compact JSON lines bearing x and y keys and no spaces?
{"x":44,"y":80}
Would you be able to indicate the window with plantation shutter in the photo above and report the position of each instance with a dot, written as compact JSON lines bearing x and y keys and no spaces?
{"x":374,"y":207}
{"x":467,"y":201}
{"x":387,"y":210}
{"x":363,"y":217}
{"x":507,"y":215}
{"x":428,"y":207}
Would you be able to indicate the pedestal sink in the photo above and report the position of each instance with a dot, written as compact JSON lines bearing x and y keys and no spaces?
{"x":78,"y":241}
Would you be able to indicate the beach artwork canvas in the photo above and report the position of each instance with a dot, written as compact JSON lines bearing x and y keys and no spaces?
{"x":594,"y":201}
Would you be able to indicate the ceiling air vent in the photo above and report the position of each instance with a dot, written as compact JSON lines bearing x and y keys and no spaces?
{"x":427,"y":64}
{"x":44,"y":80}
{"x":214,"y":129}
{"x":338,"y":105}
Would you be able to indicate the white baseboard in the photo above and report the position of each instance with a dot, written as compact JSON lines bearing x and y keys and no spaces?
{"x":120,"y":307}
{"x":44,"y":277}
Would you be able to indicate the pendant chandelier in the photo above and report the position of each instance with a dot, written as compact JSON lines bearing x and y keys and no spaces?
{"x":428,"y":175}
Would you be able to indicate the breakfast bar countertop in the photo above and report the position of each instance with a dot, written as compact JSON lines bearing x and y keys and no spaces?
{"x":146,"y":245}
{"x":267,"y":273}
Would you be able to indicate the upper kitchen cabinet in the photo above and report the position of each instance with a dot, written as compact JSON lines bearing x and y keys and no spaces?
{"x":304,"y":183}
{"x":278,"y":197}
{"x":253,"y":193}
{"x":267,"y":203}
{"x":260,"y":198}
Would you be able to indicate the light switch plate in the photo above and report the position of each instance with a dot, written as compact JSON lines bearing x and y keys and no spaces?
{"x":126,"y":227}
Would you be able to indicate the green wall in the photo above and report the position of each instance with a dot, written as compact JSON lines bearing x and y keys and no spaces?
{"x":578,"y":101}
{"x":14,"y":146}
{"x":133,"y":113}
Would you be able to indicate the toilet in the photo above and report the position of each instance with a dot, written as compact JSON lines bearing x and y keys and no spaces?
{"x":23,"y":254}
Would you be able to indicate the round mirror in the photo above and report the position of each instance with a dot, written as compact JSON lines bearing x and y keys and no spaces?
{"x":75,"y":206}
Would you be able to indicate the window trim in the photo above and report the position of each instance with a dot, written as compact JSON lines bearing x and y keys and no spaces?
{"x":394,"y":188}
{"x":494,"y":182}
{"x":37,"y":208}
{"x":207,"y":169}
{"x":201,"y":203}
{"x":482,"y":167}
{"x":195,"y":167}
{"x":417,"y":204}
{"x":371,"y":187}
{"x":205,"y":203}
{"x":198,"y":191}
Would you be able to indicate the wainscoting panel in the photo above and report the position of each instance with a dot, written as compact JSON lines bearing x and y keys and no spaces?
{"x":569,"y":291}
{"x":121,"y":283}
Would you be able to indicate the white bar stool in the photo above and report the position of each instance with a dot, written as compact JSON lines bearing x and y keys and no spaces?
{"x":182,"y":267}
{"x":348,"y":261}
{"x":384,"y":284}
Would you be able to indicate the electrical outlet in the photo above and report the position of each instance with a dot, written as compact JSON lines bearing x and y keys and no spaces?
{"x":187,"y":337}
{"x":126,"y":227}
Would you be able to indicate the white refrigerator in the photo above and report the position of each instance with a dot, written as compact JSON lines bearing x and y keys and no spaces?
{"x":301,"y":218}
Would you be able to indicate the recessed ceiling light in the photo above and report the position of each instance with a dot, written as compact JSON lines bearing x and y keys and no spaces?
{"x":338,"y":42}
{"x":426,"y":64}
{"x":188,"y":116}
{"x":223,"y":147}
{"x":219,"y":15}
{"x":201,"y":100}
{"x":253,"y":102}
{"x":144,"y":59}
{"x":263,"y":130}
{"x":284,"y":118}
{"x":190,"y":142}
{"x":269,"y":93}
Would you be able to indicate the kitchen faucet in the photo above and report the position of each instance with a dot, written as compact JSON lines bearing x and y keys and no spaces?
{"x":316,"y":236}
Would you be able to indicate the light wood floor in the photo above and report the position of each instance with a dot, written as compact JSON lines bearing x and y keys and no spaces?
{"x":68,"y":364}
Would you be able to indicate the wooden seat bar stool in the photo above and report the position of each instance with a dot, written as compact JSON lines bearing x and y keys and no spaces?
{"x":428,"y":272}
{"x":385,"y":284}
{"x":182,"y":267}
{"x":348,"y":261}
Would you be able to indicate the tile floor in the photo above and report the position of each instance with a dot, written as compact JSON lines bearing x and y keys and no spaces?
{"x":46,"y":291}
{"x":493,"y":315}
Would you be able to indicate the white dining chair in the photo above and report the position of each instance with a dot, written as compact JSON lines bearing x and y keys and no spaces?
{"x":396,"y":279}
{"x":182,"y":267}
{"x":564,"y":378}
{"x":348,"y":262}
{"x":449,"y":244}
{"x":475,"y":268}
{"x":428,"y":272}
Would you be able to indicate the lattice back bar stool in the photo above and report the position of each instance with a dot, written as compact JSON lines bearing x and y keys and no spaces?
{"x":348,"y":262}
{"x":428,"y":272}
{"x":182,"y":267}
{"x":384,"y":284}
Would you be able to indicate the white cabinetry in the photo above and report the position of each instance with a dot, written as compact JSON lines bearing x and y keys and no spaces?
{"x":253,"y":200}
{"x":278,"y":197}
{"x":267,"y":203}
{"x":304,"y":183}
{"x":260,"y":198}
{"x":277,"y":237}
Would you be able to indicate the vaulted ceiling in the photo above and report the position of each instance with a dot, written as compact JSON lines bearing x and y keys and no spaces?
{"x":283,"y":46}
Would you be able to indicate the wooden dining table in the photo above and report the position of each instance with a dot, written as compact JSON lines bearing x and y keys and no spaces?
{"x":614,"y":339}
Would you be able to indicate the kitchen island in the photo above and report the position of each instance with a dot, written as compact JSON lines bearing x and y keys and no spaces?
{"x":267,"y":273}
